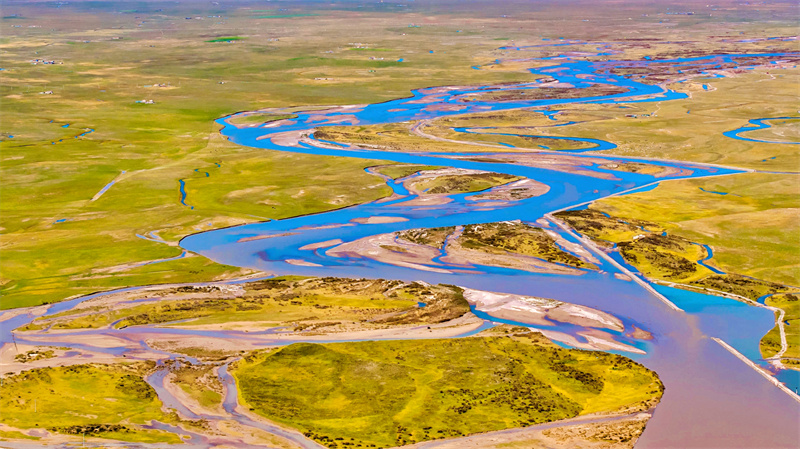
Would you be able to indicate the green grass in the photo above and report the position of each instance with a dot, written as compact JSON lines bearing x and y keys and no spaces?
{"x":752,"y":230}
{"x":462,"y":183}
{"x":12,"y":434}
{"x":227,"y":39}
{"x":158,"y":144}
{"x":163,"y":57}
{"x":399,"y":392}
{"x":771,"y":343}
{"x":402,"y":170}
{"x":259,"y":118}
{"x":281,"y":301}
{"x":670,"y":132}
{"x":84,"y":395}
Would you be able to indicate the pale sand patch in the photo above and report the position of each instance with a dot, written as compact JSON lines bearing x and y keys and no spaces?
{"x":316,"y":143}
{"x":324,"y":119}
{"x":9,"y":365}
{"x":277,"y":123}
{"x":427,"y":200}
{"x":444,"y":107}
{"x":34,"y":311}
{"x":387,"y":248}
{"x":325,"y":244}
{"x":378,"y":220}
{"x":639,"y":334}
{"x":302,"y":263}
{"x":558,"y":162}
{"x":605,"y":341}
{"x":252,"y":436}
{"x":536,"y":311}
{"x":328,"y":226}
{"x":242,"y":326}
{"x":623,"y":277}
{"x":265,"y":236}
{"x":466,"y":323}
{"x":392,"y":197}
{"x":585,"y":316}
{"x":104,"y":341}
{"x":517,"y":190}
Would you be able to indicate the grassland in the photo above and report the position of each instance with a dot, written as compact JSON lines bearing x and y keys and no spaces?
{"x":110,"y":55}
{"x":389,"y":137}
{"x":50,"y":175}
{"x":303,"y":304}
{"x":674,"y":259}
{"x":692,"y":129}
{"x":752,"y":227}
{"x":258,"y":118}
{"x":399,"y":392}
{"x":99,"y":400}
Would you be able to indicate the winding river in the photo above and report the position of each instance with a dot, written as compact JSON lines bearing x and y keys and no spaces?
{"x":712,"y":398}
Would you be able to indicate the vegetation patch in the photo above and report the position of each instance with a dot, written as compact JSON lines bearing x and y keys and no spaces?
{"x":402,"y":170}
{"x":604,"y":228}
{"x":771,"y":343}
{"x":107,"y":400}
{"x":34,"y":355}
{"x":258,"y":118}
{"x":518,"y":238}
{"x":301,"y":303}
{"x":226,"y":39}
{"x":740,"y":285}
{"x":391,"y":393}
{"x":434,"y":237}
{"x":201,"y":383}
{"x":542,"y":93}
{"x":449,"y":184}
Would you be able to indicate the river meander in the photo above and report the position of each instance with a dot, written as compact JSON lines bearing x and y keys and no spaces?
{"x":712,"y":399}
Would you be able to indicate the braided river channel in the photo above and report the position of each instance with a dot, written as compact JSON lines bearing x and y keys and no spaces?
{"x":712,"y":399}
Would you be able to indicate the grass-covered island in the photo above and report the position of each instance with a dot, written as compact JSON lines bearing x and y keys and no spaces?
{"x":392,"y":393}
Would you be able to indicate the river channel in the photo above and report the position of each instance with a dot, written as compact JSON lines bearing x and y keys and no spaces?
{"x":712,"y":398}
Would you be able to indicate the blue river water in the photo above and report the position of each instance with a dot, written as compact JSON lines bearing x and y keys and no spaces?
{"x":760,"y":123}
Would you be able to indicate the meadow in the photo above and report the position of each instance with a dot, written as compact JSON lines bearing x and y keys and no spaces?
{"x":102,"y":401}
{"x":391,"y":393}
{"x":128,"y":92}
{"x":62,"y":238}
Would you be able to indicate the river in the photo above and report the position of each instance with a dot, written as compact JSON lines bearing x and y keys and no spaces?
{"x":712,"y":398}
